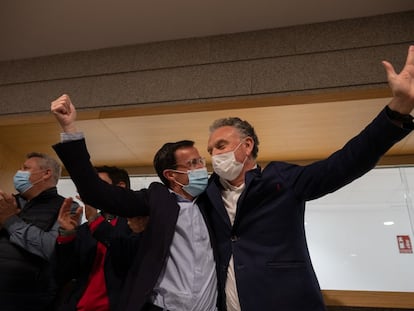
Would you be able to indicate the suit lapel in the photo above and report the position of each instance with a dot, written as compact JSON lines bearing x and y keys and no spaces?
{"x":249,"y":177}
{"x":154,"y":246}
{"x":214,"y":194}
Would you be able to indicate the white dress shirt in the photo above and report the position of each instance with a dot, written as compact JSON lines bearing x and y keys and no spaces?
{"x":230,"y":195}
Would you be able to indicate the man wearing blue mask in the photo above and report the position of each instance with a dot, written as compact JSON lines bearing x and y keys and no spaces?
{"x":28,"y":231}
{"x":175,"y":269}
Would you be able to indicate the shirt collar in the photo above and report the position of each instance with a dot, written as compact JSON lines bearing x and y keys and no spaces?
{"x":181,"y":198}
{"x":227,"y":186}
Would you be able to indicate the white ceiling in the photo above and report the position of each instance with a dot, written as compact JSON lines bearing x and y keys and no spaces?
{"x":45,"y":27}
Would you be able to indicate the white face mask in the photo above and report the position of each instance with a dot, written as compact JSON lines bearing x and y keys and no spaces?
{"x":226,"y":166}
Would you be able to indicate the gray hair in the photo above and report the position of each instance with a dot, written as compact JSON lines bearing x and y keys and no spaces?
{"x":47,"y":162}
{"x":243,"y":127}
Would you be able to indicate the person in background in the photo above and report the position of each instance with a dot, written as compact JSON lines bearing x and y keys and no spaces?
{"x":84,"y":256}
{"x":175,"y":269}
{"x":258,"y":214}
{"x":28,"y":232}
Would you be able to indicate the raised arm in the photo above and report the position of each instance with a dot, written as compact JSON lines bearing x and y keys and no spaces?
{"x":74,"y":155}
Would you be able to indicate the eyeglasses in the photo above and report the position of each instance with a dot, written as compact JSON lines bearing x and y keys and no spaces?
{"x":193,"y":163}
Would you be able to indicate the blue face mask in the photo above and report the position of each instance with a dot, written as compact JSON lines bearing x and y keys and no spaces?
{"x":21,"y":181}
{"x":197,"y":181}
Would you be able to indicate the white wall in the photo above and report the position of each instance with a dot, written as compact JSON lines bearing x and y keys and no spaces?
{"x":352,"y":233}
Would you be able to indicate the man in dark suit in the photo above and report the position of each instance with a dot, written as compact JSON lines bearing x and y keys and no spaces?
{"x":258,"y":214}
{"x":175,"y":269}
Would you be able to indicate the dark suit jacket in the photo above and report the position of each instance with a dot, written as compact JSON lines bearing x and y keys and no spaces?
{"x":156,"y":201}
{"x":271,"y":259}
{"x":122,"y":247}
{"x":75,"y":260}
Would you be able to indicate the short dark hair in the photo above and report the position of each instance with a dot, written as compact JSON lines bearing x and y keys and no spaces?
{"x":165,"y":158}
{"x":243,"y":127}
{"x":116,"y":174}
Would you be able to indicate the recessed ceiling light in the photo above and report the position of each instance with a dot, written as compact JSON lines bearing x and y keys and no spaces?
{"x":388,"y":223}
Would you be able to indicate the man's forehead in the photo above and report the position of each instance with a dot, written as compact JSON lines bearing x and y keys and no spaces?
{"x":31,"y":161}
{"x":224,"y":133}
{"x":187,"y":151}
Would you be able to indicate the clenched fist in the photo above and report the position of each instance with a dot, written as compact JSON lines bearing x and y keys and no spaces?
{"x":65,"y":113}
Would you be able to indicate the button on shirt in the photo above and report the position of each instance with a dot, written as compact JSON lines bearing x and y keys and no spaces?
{"x":188,"y":281}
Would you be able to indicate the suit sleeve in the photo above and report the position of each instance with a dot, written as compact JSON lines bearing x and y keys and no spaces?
{"x":123,"y":251}
{"x":105,"y":233}
{"x":93,"y":190}
{"x":357,"y":157}
{"x":31,"y":238}
{"x":75,"y":256}
{"x":121,"y":243}
{"x":67,"y":261}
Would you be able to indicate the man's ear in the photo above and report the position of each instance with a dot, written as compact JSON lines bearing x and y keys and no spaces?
{"x":249,"y":142}
{"x":168,"y":174}
{"x":48,"y":174}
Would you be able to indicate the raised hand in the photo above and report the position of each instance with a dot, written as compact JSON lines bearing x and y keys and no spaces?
{"x":8,"y":207}
{"x":65,"y":113}
{"x":67,"y":218}
{"x":402,"y":84}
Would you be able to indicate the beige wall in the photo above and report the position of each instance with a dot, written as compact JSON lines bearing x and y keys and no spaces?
{"x":8,"y":166}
